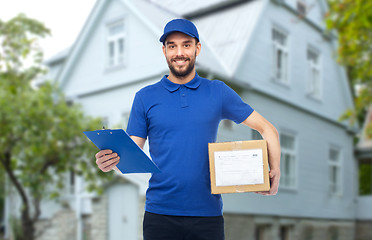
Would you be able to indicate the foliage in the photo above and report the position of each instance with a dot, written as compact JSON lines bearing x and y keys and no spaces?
{"x":41,"y":134}
{"x":352,"y":20}
{"x":365,"y":178}
{"x":2,"y":193}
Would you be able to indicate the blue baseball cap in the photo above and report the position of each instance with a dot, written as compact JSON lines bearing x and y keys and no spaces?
{"x":180,"y":25}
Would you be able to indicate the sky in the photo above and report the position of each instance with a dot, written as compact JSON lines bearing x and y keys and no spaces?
{"x":65,"y":19}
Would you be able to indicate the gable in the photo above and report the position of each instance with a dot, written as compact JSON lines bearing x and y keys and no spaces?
{"x":87,"y":69}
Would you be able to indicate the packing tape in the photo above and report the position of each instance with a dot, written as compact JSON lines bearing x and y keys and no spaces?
{"x":237,"y":145}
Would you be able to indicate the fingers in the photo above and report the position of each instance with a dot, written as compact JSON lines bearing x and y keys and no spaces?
{"x":274,"y":185}
{"x":106,"y":160}
{"x":103,"y":152}
{"x":263,"y":193}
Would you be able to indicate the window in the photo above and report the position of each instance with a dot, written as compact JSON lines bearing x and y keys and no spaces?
{"x":262,"y":232}
{"x":313,"y":73}
{"x":334,"y":171}
{"x":333,"y":233}
{"x":288,"y":160}
{"x":280,"y":55}
{"x":71,"y":179}
{"x":115,"y":44}
{"x":285,"y":232}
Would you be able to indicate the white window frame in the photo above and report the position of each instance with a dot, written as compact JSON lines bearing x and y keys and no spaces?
{"x":314,"y":83}
{"x":117,"y":60}
{"x":335,"y":188}
{"x":288,"y":181}
{"x":284,"y":48}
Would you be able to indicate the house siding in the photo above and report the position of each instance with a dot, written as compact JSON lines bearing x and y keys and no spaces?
{"x":90,"y":73}
{"x":313,"y":137}
{"x":257,"y":63}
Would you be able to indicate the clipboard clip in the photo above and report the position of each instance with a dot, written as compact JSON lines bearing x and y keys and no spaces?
{"x":103,"y":128}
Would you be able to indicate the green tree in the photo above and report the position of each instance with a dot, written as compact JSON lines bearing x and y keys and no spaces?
{"x":41,"y":135}
{"x":352,"y":20}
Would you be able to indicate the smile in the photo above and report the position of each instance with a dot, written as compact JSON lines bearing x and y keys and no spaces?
{"x":181,"y":62}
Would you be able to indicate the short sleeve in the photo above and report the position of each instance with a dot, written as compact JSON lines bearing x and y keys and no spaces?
{"x":137,"y":124}
{"x":233,"y":107}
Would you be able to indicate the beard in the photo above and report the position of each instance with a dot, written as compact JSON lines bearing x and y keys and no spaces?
{"x":184,"y":70}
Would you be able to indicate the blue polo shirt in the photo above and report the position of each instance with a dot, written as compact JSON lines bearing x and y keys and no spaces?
{"x":179,"y":121}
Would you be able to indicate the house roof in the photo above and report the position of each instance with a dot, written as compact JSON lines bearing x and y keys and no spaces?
{"x":182,"y":8}
{"x":223,"y":34}
{"x":58,"y":57}
{"x":230,"y":31}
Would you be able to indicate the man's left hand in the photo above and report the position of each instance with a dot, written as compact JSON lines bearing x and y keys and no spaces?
{"x":274,"y":183}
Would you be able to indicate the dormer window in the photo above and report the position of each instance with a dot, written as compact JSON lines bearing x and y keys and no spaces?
{"x":314,"y":79}
{"x":280,"y":56}
{"x":115,"y":44}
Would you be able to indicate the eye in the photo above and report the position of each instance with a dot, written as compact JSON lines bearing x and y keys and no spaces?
{"x":187,"y":45}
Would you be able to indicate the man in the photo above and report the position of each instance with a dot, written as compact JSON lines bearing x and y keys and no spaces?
{"x":180,"y":116}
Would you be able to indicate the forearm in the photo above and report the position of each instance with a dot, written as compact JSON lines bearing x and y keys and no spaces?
{"x":270,"y":134}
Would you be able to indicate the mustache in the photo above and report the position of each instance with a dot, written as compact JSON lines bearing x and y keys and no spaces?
{"x":180,"y":59}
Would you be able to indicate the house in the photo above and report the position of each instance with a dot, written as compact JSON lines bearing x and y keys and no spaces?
{"x":278,"y":56}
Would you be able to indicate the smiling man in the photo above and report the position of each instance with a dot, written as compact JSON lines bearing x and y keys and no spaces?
{"x":180,"y":115}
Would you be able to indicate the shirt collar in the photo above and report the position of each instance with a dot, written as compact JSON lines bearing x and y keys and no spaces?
{"x":171,"y":86}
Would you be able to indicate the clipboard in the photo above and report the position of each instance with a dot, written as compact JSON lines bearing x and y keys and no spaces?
{"x":132,"y":158}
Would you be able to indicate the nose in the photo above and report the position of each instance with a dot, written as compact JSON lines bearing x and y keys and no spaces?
{"x":179,"y":52}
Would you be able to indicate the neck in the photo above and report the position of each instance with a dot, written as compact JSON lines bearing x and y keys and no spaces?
{"x":181,"y":80}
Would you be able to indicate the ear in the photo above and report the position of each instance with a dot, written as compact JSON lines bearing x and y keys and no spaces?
{"x":164,"y":50}
{"x":198,"y":48}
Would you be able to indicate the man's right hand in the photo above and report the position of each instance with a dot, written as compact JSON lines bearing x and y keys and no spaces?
{"x":106,"y":160}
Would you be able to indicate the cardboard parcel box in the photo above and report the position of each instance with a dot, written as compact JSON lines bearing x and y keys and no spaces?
{"x":240,"y":166}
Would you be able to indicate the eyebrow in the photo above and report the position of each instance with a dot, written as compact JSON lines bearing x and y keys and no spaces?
{"x":187,"y":41}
